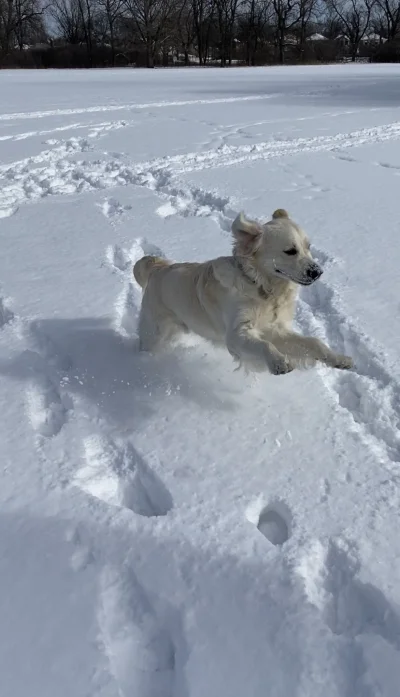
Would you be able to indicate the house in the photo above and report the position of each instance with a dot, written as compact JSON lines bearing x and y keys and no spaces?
{"x":317,"y":37}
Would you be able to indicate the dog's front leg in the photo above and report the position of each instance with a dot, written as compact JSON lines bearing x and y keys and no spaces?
{"x":255,"y":353}
{"x":306,"y":348}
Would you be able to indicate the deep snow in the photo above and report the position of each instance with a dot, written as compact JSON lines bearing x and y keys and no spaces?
{"x":171,"y":527}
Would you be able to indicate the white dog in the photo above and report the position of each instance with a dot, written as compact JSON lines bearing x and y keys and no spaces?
{"x":245,"y":301}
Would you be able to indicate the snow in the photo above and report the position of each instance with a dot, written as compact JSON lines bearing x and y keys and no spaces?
{"x":171,"y":527}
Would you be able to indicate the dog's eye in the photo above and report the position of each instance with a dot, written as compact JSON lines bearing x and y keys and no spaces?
{"x":291,"y":251}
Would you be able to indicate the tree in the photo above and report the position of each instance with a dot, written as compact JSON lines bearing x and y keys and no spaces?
{"x":355,"y":18}
{"x":19,"y":20}
{"x":86,"y":12}
{"x":306,"y":10}
{"x":185,"y":29}
{"x":226,"y":13}
{"x":68,"y":20}
{"x":111,"y":11}
{"x":387,"y":17}
{"x":286,"y":16}
{"x":332,"y":25}
{"x":253,"y":19}
{"x":203,"y":17}
{"x":151,"y":19}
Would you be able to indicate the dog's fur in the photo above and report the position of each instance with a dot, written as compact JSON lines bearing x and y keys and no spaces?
{"x":245,"y":301}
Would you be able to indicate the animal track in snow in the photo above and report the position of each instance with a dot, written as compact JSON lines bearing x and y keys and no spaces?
{"x":55,"y":172}
{"x":47,"y":408}
{"x":16,"y":171}
{"x":370,"y":394}
{"x":274,"y":520}
{"x":354,"y":607}
{"x":132,"y":105}
{"x":40,"y":175}
{"x":123,"y":259}
{"x":48,"y":404}
{"x":129,"y":299}
{"x":191,"y":201}
{"x":111,"y":208}
{"x":307,"y":183}
{"x":374,"y":407}
{"x":127,"y":310}
{"x":82,"y":554}
{"x":274,"y":523}
{"x":115,"y":473}
{"x":45,"y":346}
{"x":128,"y":302}
{"x":387,"y":165}
{"x":118,"y":257}
{"x":138,"y":646}
{"x":350,"y":607}
{"x":345,"y":158}
{"x":6,"y":315}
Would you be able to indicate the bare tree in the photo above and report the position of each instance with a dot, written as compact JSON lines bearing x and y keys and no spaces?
{"x":111,"y":11}
{"x":68,"y":21}
{"x":306,"y":10}
{"x":185,"y":29}
{"x":6,"y":26}
{"x":203,"y":18}
{"x":151,"y":20}
{"x":19,"y":20}
{"x":332,"y":25}
{"x":253,"y":20}
{"x":387,"y":17}
{"x":86,"y":12}
{"x":253,"y":30}
{"x":226,"y":13}
{"x":28,"y":21}
{"x":355,"y":18}
{"x":286,"y":15}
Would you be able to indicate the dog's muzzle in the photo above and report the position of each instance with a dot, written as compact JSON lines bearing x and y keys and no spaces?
{"x":314,"y":272}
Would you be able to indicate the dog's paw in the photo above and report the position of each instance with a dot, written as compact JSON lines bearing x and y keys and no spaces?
{"x":343,"y":362}
{"x":281,"y":366}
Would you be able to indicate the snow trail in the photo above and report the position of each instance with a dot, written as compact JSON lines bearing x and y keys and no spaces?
{"x":164,"y":513}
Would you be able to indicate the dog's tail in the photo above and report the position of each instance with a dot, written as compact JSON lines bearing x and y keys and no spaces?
{"x":145,"y":266}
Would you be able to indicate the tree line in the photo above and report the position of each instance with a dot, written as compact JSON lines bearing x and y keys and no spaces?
{"x":91,"y":33}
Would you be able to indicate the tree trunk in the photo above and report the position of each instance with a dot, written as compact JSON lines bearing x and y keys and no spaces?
{"x":149,"y":54}
{"x":281,"y":47}
{"x":230,"y":54}
{"x":199,"y":45}
{"x":112,"y":42}
{"x":165,"y":57}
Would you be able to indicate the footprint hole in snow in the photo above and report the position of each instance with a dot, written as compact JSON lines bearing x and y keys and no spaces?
{"x":274,"y":522}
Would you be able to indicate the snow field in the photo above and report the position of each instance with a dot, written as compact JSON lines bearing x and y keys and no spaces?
{"x":172,"y":528}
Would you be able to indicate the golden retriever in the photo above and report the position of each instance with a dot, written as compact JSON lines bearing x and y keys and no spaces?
{"x":245,"y":301}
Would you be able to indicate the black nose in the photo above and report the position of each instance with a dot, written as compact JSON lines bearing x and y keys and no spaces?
{"x":314,"y":272}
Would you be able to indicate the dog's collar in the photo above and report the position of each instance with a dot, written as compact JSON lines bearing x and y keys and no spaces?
{"x":261,"y":291}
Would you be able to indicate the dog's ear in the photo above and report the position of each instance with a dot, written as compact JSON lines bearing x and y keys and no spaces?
{"x":246,"y":233}
{"x":280,"y":213}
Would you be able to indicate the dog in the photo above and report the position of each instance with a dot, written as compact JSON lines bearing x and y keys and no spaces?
{"x":245,"y":302}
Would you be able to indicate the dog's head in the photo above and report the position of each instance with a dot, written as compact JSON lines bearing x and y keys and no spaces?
{"x":277,"y":248}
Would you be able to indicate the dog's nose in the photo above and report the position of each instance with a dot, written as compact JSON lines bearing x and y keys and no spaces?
{"x":314,"y":272}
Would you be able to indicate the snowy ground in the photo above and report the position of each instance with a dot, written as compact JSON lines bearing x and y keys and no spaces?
{"x":170,"y":527}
